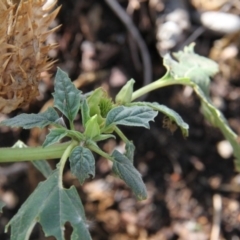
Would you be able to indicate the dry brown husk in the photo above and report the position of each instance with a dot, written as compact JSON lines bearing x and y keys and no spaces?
{"x":24,"y":27}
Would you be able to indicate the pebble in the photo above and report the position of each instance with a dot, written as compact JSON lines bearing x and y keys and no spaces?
{"x":224,"y":149}
{"x":220,"y":22}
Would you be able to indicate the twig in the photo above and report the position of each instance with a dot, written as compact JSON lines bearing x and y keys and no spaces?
{"x":127,"y":21}
{"x":217,"y":209}
{"x":196,"y":33}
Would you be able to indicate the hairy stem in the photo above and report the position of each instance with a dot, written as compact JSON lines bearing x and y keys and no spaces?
{"x":32,"y":153}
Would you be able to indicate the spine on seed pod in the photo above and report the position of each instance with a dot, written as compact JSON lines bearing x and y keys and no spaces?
{"x":24,"y":28}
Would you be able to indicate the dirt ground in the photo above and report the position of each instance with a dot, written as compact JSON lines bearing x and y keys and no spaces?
{"x":193,"y":188}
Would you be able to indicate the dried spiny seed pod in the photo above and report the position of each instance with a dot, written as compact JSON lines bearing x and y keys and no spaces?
{"x":23,"y":52}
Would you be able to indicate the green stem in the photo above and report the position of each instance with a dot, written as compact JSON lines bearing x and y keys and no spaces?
{"x":63,"y":160}
{"x":97,"y":150}
{"x":71,"y":125}
{"x":56,"y":151}
{"x":162,"y":82}
{"x":121,"y":134}
{"x":32,"y":153}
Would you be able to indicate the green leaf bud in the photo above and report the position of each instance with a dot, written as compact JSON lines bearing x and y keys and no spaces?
{"x":94,"y":100}
{"x":92,"y":128}
{"x":125,"y":94}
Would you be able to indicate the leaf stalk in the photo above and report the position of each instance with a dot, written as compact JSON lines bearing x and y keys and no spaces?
{"x":100,"y":152}
{"x":162,"y":82}
{"x":121,"y":134}
{"x":63,"y":161}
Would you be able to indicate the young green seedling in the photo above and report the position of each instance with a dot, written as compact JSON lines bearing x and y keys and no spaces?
{"x":101,"y":119}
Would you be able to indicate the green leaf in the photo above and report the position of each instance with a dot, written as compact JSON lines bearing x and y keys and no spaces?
{"x":192,"y":66}
{"x":103,"y":137}
{"x":55,"y":136}
{"x":28,"y":121}
{"x":76,"y":135}
{"x":216,"y":118}
{"x":105,"y":105}
{"x":199,"y":81}
{"x":82,"y":163}
{"x":125,"y":170}
{"x":51,"y":206}
{"x":67,"y":96}
{"x":130,"y":148}
{"x":130,"y":116}
{"x":170,"y":113}
{"x":2,"y":204}
{"x":93,"y":101}
{"x":85,"y":112}
{"x":43,"y":167}
{"x":189,"y":58}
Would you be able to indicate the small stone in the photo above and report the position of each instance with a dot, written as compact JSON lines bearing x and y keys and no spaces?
{"x":219,"y":22}
{"x":224,"y":149}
